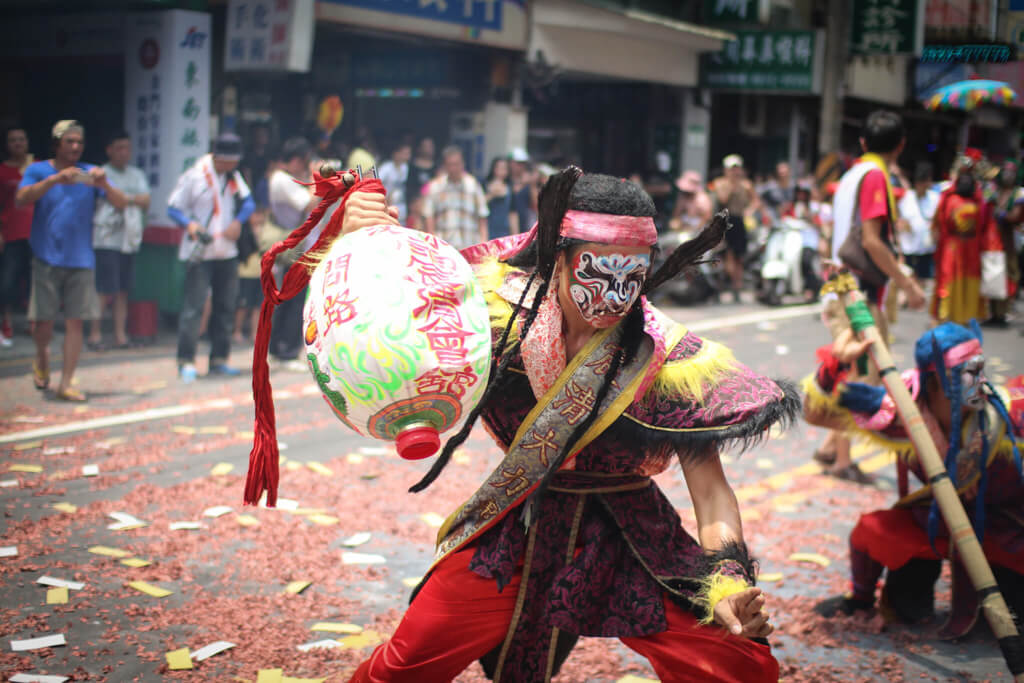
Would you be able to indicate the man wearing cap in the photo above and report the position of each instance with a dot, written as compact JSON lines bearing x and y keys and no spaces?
{"x":734,"y":191}
{"x":64,"y":192}
{"x":211,"y":201}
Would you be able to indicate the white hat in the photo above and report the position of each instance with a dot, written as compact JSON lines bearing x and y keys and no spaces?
{"x":519,"y":154}
{"x":732,"y":160}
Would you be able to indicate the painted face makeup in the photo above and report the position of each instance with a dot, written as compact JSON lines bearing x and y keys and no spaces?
{"x":605,"y":286}
{"x":971,"y":381}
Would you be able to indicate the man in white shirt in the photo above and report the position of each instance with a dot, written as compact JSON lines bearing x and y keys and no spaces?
{"x":290,"y":204}
{"x":917,"y":207}
{"x":116,"y":238}
{"x":211,"y":201}
{"x":394,"y":174}
{"x":455,"y":207}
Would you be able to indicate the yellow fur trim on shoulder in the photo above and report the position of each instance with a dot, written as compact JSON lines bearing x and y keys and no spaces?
{"x":491,"y":274}
{"x":688,"y":376}
{"x":825,"y":404}
{"x":714,"y":589}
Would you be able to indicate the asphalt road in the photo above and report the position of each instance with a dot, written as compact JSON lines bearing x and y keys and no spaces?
{"x":166,"y":453}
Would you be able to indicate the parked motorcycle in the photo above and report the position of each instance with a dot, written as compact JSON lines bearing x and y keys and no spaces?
{"x":780,"y":271}
{"x":695,"y":285}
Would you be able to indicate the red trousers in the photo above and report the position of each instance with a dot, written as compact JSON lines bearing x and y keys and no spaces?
{"x":460,"y":616}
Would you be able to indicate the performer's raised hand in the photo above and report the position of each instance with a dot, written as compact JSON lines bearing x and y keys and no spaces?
{"x":364,"y":209}
{"x":743,"y":614}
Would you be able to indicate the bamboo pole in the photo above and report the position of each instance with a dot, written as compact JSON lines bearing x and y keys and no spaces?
{"x":960,"y":531}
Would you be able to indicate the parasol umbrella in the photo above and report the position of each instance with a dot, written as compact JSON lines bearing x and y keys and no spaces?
{"x":967,"y":95}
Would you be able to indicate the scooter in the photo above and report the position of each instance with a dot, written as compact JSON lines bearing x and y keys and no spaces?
{"x":780,"y":268}
{"x":694,"y":285}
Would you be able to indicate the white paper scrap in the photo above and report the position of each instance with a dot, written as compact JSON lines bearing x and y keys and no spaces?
{"x":362,"y":558}
{"x":38,"y":643}
{"x":283,"y":504}
{"x":356,"y":539}
{"x":37,"y":678}
{"x":179,"y":526}
{"x":58,"y":450}
{"x":318,"y":644}
{"x":123,"y":520}
{"x":32,"y":419}
{"x":217,"y":511}
{"x":211,"y":650}
{"x":60,"y":583}
{"x":8,"y":551}
{"x":8,"y":483}
{"x":90,"y":470}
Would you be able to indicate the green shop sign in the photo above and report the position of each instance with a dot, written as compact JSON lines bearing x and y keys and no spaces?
{"x":776,"y":61}
{"x":887,"y":27}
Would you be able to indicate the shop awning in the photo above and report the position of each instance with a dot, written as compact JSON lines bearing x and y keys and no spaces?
{"x":629,"y":44}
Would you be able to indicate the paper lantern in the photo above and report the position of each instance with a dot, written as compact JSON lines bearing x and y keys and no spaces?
{"x":329,"y":114}
{"x":397,"y":336}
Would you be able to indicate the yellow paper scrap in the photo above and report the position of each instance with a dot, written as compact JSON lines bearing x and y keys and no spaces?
{"x":367,"y":638}
{"x":764,"y":464}
{"x":432,"y":519}
{"x":813,"y":558}
{"x":320,"y":468}
{"x":182,"y":429}
{"x":630,"y":678}
{"x":127,"y":527}
{"x":214,"y":429}
{"x":244,"y":435}
{"x":770,"y":577}
{"x":460,"y":457}
{"x":66,"y":507}
{"x":412,"y":581}
{"x":270,"y":676}
{"x":303,"y":512}
{"x":178,"y":660}
{"x":108,"y":551}
{"x":296,"y":587}
{"x":354,"y":458}
{"x":81,"y":409}
{"x":136,"y":562}
{"x":292,"y":466}
{"x":323,"y":520}
{"x":149,"y":589}
{"x":750,"y":514}
{"x":57,"y":596}
{"x":28,"y":445}
{"x":221,"y":468}
{"x":22,"y":467}
{"x":337,"y":627}
{"x":247,"y":520}
{"x":785,"y":508}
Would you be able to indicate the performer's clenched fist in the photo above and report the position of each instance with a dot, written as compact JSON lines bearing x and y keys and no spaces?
{"x":743,"y":614}
{"x":363,"y":209}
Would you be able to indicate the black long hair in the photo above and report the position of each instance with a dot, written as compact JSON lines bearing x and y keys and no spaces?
{"x":597,"y":193}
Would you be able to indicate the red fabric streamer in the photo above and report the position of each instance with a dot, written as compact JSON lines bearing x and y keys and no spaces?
{"x":263,"y":471}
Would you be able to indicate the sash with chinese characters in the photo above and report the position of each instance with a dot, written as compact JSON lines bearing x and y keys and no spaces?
{"x":546,"y":430}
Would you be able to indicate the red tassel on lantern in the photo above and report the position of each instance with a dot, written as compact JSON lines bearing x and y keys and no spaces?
{"x":263,"y":460}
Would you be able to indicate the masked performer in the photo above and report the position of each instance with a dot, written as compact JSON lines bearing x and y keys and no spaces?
{"x":977,"y":426}
{"x":593,"y":391}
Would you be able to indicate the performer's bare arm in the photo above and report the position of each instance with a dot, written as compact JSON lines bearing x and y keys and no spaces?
{"x":718,"y":523}
{"x":871,"y":240}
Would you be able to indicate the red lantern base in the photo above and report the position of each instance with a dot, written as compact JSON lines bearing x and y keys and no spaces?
{"x":418,"y":442}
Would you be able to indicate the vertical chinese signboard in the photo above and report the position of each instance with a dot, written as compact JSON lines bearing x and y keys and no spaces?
{"x":735,"y":11}
{"x":775,"y":61}
{"x":887,"y":27}
{"x":167,"y":97}
{"x":269,"y":35}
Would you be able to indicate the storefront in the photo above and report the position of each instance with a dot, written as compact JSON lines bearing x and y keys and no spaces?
{"x":766,"y":86}
{"x":589,"y":104}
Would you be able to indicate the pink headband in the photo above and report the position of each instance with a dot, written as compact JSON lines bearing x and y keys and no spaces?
{"x":605,"y":228}
{"x":960,"y":353}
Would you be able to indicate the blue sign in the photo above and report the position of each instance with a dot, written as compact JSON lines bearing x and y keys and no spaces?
{"x":479,"y":14}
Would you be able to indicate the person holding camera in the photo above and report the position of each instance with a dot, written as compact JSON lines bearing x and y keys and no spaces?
{"x":64,"y":192}
{"x":211,"y":201}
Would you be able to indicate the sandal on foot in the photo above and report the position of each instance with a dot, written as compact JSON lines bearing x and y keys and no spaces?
{"x":824,"y":457}
{"x":40,"y":378}
{"x":71,"y":395}
{"x":851,"y":473}
{"x":96,"y":346}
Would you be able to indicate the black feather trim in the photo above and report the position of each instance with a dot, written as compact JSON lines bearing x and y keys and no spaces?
{"x":735,"y":551}
{"x":739,"y":437}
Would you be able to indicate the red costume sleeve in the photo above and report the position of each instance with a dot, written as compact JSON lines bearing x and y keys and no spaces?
{"x":873,"y":200}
